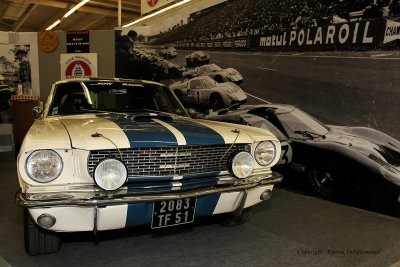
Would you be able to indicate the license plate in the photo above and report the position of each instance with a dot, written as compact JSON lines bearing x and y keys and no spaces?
{"x":173,"y":212}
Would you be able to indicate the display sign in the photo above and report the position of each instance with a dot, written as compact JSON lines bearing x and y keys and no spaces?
{"x":78,"y":65}
{"x":48,"y":41}
{"x":78,"y":42}
{"x":392,"y":31}
{"x":148,"y":6}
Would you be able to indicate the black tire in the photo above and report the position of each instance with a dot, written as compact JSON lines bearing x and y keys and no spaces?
{"x":39,"y":241}
{"x":237,"y":219}
{"x":326,"y":180}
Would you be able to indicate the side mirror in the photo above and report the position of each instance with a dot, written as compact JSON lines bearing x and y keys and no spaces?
{"x":37,"y":112}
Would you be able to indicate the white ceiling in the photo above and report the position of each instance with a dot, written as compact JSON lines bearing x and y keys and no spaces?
{"x":37,"y":15}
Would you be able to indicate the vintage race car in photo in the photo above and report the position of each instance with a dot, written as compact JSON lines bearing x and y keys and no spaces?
{"x":165,"y":69}
{"x":169,"y":52}
{"x":217,"y":73}
{"x":336,"y":160}
{"x":197,"y":58}
{"x":107,"y":154}
{"x":205,"y":91}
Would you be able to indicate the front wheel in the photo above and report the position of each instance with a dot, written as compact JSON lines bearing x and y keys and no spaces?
{"x":326,"y":181}
{"x":38,"y":240}
{"x":237,"y":219}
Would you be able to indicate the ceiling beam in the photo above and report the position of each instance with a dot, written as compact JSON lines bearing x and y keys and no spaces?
{"x":125,"y":5}
{"x":93,"y":23}
{"x":24,"y":16}
{"x":86,"y":8}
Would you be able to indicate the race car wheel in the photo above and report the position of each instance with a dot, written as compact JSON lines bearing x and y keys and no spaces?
{"x":38,"y":240}
{"x":216,"y":102}
{"x":237,"y":219}
{"x":325,"y":180}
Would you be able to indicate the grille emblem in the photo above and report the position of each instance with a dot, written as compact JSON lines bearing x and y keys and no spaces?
{"x":173,"y":166}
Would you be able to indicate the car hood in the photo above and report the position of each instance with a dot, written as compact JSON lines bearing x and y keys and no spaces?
{"x":108,"y":131}
{"x":230,"y":86}
{"x":375,"y":144}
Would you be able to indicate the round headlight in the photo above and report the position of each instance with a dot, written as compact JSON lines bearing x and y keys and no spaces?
{"x":265,"y":153}
{"x":110,"y":174}
{"x":242,"y":164}
{"x":44,"y":166}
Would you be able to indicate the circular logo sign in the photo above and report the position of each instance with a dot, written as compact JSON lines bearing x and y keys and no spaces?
{"x":152,"y":3}
{"x":78,"y":69}
{"x":48,"y":41}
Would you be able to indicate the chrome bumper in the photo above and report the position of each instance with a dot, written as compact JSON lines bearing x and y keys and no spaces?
{"x":103,"y":198}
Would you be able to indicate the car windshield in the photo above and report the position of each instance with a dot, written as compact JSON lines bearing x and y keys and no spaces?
{"x":113,"y":96}
{"x":214,"y":67}
{"x":296,"y":121}
{"x":208,"y":83}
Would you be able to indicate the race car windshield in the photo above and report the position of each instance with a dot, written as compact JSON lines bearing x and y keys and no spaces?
{"x":111,"y":96}
{"x":208,"y":83}
{"x":297,"y":122}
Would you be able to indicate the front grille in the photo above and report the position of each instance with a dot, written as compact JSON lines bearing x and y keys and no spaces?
{"x":168,"y":161}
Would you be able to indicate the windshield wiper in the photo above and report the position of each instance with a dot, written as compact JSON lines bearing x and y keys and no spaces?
{"x":310,"y":134}
{"x":94,"y":110}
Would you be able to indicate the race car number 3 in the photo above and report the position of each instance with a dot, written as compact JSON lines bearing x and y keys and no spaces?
{"x":173,"y":212}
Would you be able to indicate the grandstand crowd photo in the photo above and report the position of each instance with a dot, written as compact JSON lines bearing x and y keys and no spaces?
{"x":337,"y":61}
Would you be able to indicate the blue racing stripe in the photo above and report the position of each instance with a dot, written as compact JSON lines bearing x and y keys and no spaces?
{"x":206,"y":205}
{"x":144,"y":132}
{"x":139,"y":214}
{"x":197,"y":134}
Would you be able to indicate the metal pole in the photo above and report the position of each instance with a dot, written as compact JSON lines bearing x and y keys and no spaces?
{"x":119,"y":13}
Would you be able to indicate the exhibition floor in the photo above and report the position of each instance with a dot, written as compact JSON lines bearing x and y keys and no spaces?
{"x":289,"y":230}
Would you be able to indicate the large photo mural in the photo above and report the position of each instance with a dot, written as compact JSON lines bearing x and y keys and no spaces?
{"x":323,"y":76}
{"x":15,"y":71}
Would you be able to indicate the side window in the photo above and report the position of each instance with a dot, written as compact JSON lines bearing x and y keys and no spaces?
{"x":196,"y":84}
{"x":68,"y":98}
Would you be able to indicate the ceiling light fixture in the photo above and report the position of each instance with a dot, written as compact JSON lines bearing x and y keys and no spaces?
{"x":157,"y":13}
{"x":53,"y":25}
{"x":72,"y":10}
{"x":75,"y":8}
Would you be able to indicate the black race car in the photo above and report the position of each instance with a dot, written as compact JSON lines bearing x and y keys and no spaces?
{"x":336,"y":160}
